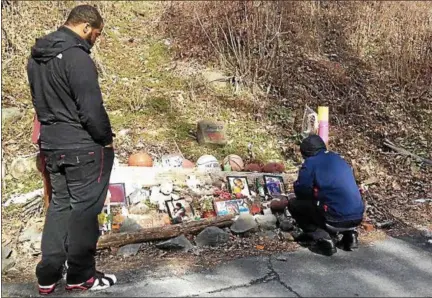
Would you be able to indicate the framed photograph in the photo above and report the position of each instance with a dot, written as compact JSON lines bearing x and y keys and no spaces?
{"x":179,"y":208}
{"x":234,"y":207}
{"x":274,"y":185}
{"x":116,"y":194}
{"x":105,"y":220}
{"x":238,"y":184}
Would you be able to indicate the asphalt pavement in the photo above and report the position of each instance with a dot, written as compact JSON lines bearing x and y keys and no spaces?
{"x":388,"y":268}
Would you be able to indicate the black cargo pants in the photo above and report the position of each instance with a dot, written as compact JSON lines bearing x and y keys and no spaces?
{"x":79,"y":180}
{"x":312,"y":219}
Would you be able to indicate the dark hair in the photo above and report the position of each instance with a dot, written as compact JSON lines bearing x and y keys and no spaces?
{"x":179,"y":205}
{"x":85,"y":14}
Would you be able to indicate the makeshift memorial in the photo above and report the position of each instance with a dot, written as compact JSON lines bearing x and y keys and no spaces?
{"x":274,"y":185}
{"x":238,"y":184}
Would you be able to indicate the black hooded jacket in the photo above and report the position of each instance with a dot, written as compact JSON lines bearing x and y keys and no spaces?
{"x":66,"y":94}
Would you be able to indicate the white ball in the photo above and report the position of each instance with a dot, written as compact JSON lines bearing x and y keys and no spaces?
{"x":208,"y":162}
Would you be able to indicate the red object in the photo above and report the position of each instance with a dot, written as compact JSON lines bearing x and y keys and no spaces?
{"x":209,"y":214}
{"x":255,"y":209}
{"x":140,"y":159}
{"x":273,"y":167}
{"x":118,"y":193}
{"x":41,"y":164}
{"x":253,"y":167}
{"x":36,"y":130}
{"x":187,"y":164}
{"x":239,"y":195}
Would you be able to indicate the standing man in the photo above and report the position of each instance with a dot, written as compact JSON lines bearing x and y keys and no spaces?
{"x":76,"y":140}
{"x":326,"y":194}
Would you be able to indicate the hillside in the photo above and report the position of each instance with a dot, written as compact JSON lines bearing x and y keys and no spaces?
{"x":373,"y":72}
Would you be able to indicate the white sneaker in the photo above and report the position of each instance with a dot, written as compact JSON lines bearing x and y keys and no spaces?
{"x":98,"y":282}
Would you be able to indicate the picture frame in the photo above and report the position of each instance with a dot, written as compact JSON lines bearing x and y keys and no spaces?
{"x":171,"y":206}
{"x":117,"y":194}
{"x":105,"y":220}
{"x":234,"y":207}
{"x":238,"y":184}
{"x":274,"y":185}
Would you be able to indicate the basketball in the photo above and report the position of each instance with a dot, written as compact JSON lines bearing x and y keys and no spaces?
{"x":140,"y":159}
{"x":235,"y":162}
{"x":208,"y":162}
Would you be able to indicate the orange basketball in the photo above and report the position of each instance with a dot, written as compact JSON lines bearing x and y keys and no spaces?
{"x":235,"y":162}
{"x":140,"y":159}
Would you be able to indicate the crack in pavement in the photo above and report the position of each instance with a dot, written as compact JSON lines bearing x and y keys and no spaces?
{"x":266,"y":278}
{"x":272,"y":275}
{"x":278,"y":279}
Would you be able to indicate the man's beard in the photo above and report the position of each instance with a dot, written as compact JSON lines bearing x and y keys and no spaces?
{"x":89,"y":40}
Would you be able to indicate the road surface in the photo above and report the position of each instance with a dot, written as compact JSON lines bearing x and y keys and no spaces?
{"x":388,"y":268}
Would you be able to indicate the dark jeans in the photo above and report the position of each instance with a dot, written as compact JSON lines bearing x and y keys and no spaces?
{"x":79,"y":181}
{"x":312,"y":220}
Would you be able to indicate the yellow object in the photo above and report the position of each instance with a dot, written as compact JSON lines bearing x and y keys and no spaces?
{"x":323,"y":113}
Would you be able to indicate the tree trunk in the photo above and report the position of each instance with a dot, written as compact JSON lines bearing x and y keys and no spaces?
{"x":161,"y":233}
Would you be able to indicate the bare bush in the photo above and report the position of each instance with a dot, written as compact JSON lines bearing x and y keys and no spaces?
{"x":258,"y":38}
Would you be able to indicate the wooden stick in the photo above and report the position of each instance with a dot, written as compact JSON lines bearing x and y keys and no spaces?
{"x":406,"y":152}
{"x":161,"y":233}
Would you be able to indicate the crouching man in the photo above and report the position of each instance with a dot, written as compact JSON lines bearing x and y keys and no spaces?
{"x":327,"y":198}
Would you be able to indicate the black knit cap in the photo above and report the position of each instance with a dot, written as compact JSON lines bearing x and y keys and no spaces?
{"x":312,"y":145}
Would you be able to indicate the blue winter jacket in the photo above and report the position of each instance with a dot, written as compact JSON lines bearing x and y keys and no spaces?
{"x":327,"y":178}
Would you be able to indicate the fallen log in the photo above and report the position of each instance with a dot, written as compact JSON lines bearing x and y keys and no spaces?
{"x":162,"y":233}
{"x":403,"y":151}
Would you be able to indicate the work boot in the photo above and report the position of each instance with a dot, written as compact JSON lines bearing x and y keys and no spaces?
{"x":349,"y":240}
{"x":324,"y":247}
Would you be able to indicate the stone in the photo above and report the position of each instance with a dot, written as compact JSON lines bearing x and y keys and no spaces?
{"x":212,"y":236}
{"x":266,"y":222}
{"x":129,"y":250}
{"x":177,"y":243}
{"x":244,"y":223}
{"x":130,"y":225}
{"x":426,"y":233}
{"x":138,"y":196}
{"x":10,"y":113}
{"x":286,"y":226}
{"x":140,"y":208}
{"x":6,"y":252}
{"x":268,"y":235}
{"x":211,"y":132}
{"x":32,"y":233}
{"x":7,"y":265}
{"x":285,"y":236}
{"x":215,"y":78}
